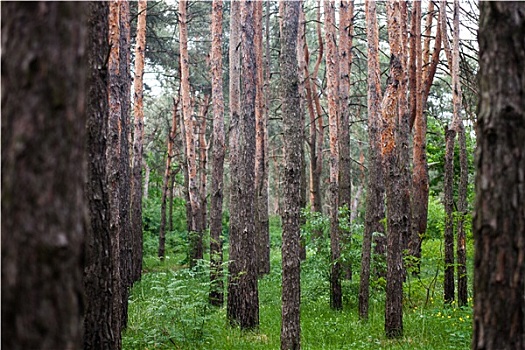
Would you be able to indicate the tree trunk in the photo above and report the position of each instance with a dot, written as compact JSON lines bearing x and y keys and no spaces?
{"x":113,"y":163}
{"x":463,"y":183}
{"x":450,"y":135}
{"x":336,"y":299}
{"x":166,"y":181}
{"x":234,"y":101}
{"x":126,"y":238}
{"x":43,"y":174}
{"x":243,"y":297}
{"x":302,"y":67}
{"x":293,"y":144}
{"x":196,"y":224}
{"x":448,"y":284}
{"x":138,"y":141}
{"x":203,"y":158}
{"x":261,"y":153}
{"x":394,"y":139}
{"x":346,"y":14}
{"x":147,"y":172}
{"x":98,"y":270}
{"x":216,"y":296}
{"x":316,"y":122}
{"x":499,"y":221}
{"x":375,"y":211}
{"x":171,"y":188}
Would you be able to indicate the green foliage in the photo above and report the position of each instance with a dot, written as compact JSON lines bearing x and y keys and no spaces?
{"x":169,"y":307}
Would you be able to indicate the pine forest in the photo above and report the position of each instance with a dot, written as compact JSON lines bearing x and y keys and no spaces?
{"x":260,"y":174}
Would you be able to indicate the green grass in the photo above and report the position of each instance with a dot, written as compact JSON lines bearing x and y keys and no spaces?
{"x":168,"y":309}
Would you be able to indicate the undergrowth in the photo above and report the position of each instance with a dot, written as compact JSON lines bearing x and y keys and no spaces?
{"x":168,"y":308}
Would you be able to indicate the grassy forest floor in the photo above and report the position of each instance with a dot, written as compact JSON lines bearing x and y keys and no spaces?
{"x":168,"y":308}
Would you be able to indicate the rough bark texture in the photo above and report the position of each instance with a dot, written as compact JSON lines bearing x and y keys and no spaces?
{"x":346,"y":14}
{"x":126,"y":238}
{"x":448,"y":190}
{"x":375,"y":211}
{"x":136,"y":184}
{"x":302,"y":67}
{"x":43,"y":174}
{"x":420,"y":181}
{"x":448,"y":284}
{"x":203,"y":159}
{"x":394,"y":145}
{"x":113,"y":165}
{"x":243,"y":297}
{"x":217,"y":178}
{"x":195,"y":221}
{"x":261,"y":153}
{"x":234,"y":97}
{"x":98,"y":268}
{"x":166,"y":181}
{"x":419,"y":155}
{"x":293,"y":137}
{"x":316,"y":120}
{"x":463,"y":183}
{"x":499,"y":222}
{"x":336,"y":297}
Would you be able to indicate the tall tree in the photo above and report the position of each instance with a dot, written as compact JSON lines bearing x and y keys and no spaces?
{"x":219,"y":150}
{"x":346,"y":28}
{"x":336,"y":297}
{"x":113,"y":165}
{"x":450,"y":135}
{"x":375,"y":211}
{"x":166,"y":180}
{"x":234,"y":104}
{"x":261,"y":152}
{"x":138,"y":143}
{"x":421,"y":85}
{"x":126,"y":238}
{"x":499,"y":221}
{"x":463,"y":183}
{"x":243,"y":297}
{"x":98,"y":268}
{"x":195,"y":221}
{"x":394,"y":139}
{"x":316,"y":120}
{"x":293,"y":141}
{"x":43,"y":173}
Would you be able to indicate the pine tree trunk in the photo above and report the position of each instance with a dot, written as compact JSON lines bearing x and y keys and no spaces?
{"x":302,"y":67}
{"x":234,"y":101}
{"x":394,"y":140}
{"x":43,"y":174}
{"x":293,"y":141}
{"x":463,"y":183}
{"x":499,"y":221}
{"x":126,"y":238}
{"x":243,"y":297}
{"x":450,"y":135}
{"x":261,"y":153}
{"x":336,"y":300}
{"x":136,"y":185}
{"x":98,"y":270}
{"x":216,"y":296}
{"x":375,"y":211}
{"x":346,"y":14}
{"x":114,"y":164}
{"x":196,"y":224}
{"x":166,"y":182}
{"x":147,"y":172}
{"x":203,"y":159}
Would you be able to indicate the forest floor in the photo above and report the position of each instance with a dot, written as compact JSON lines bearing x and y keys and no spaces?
{"x":168,"y":308}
